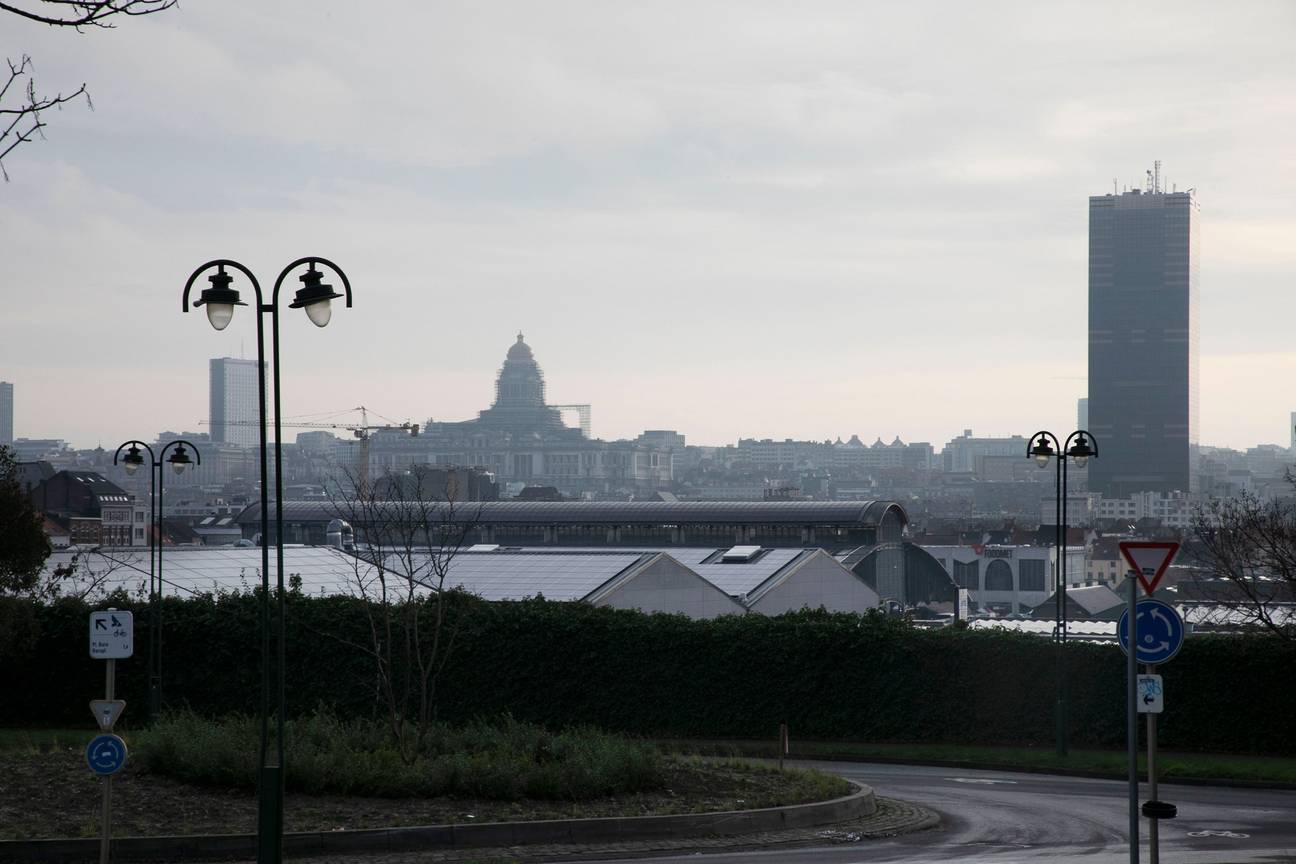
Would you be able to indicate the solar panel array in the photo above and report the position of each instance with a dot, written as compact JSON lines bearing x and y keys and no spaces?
{"x":863,"y":513}
{"x":735,"y":578}
{"x":201,"y":569}
{"x":513,"y":576}
{"x":503,"y":575}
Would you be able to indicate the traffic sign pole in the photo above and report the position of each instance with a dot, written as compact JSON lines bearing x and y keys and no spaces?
{"x":1162,"y":639}
{"x":1131,"y":716}
{"x":1154,"y":853}
{"x":110,"y":682}
{"x":112,"y":637}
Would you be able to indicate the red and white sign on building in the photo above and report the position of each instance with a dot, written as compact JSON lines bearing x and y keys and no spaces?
{"x":1149,"y":560}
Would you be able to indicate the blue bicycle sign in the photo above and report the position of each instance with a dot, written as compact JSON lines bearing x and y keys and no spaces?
{"x":1160,"y":631}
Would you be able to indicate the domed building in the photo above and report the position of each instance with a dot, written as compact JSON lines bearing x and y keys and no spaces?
{"x":521,"y":438}
{"x":520,"y":396}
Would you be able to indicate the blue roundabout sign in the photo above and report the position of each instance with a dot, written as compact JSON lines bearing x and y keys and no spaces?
{"x":106,"y":754}
{"x":1159,"y":631}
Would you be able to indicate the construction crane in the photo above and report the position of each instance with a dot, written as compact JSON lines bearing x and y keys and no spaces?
{"x":360,"y":430}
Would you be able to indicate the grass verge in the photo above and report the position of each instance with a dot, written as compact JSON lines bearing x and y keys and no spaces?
{"x":32,"y":741}
{"x":504,"y":760}
{"x":1171,"y":766}
{"x":51,"y":793}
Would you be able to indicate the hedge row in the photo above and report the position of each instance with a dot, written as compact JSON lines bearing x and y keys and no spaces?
{"x":827,"y":675}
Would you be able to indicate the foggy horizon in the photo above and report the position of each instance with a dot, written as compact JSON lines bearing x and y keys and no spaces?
{"x":730,"y":222}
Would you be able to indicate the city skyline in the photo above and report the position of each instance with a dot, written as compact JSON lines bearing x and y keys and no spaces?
{"x":343,"y":418}
{"x":786,"y":225}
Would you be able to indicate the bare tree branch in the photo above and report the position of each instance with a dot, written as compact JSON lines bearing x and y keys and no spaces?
{"x":90,"y":572}
{"x":76,"y":14}
{"x":1249,"y":545}
{"x":21,"y":121}
{"x":26,"y":117}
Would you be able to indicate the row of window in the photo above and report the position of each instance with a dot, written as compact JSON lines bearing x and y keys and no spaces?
{"x":999,"y":576}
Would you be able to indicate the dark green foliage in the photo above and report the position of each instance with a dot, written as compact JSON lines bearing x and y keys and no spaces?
{"x":23,"y":544}
{"x":828,"y":676}
{"x":504,"y":760}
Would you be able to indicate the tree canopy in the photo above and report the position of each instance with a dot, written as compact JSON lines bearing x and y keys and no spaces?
{"x":23,"y":544}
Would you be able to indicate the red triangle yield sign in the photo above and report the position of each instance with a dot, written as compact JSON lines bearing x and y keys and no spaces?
{"x":1149,"y":560}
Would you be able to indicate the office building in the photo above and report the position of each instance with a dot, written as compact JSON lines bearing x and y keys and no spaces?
{"x":966,"y":454}
{"x":233,"y":393}
{"x":6,"y":413}
{"x":1143,"y":331}
{"x":1082,"y":413}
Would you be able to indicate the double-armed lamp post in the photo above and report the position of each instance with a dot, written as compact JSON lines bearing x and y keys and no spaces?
{"x":315,"y":297}
{"x":178,"y":460}
{"x":1079,"y":447}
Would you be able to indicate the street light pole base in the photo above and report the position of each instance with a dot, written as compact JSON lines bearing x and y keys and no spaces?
{"x":270,"y":815}
{"x":1061,"y":730}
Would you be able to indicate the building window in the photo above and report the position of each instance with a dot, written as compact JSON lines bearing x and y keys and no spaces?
{"x":967,"y":574}
{"x":1031,"y":574}
{"x":998,"y":576}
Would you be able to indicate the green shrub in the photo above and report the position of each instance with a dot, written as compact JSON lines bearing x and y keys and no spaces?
{"x":506,"y":760}
{"x":829,"y":676}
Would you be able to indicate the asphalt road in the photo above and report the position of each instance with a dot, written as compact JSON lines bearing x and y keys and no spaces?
{"x":994,"y":816}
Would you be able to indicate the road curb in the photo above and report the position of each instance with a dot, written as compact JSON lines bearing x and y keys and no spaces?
{"x":617,"y":829}
{"x":892,"y":818}
{"x":1035,"y":769}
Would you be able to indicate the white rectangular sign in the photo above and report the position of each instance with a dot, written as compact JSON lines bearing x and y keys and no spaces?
{"x":112,"y":635}
{"x":1151,"y":698}
{"x":963,"y":604}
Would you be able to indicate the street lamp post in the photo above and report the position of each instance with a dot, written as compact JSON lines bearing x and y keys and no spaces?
{"x":315,"y":298}
{"x":1080,"y":446}
{"x":178,"y":460}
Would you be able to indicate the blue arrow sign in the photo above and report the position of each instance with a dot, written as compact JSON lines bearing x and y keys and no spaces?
{"x":1160,"y":631}
{"x":106,"y":754}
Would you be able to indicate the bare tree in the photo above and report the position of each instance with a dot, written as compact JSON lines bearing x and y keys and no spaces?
{"x":20,"y":105}
{"x":95,"y":572}
{"x":1250,"y":544}
{"x":407,"y":535}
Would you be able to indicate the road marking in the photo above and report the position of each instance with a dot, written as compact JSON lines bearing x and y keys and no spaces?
{"x":1232,"y":835}
{"x":982,"y":780}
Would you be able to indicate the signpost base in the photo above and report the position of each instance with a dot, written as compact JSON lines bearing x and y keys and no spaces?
{"x":270,"y":815}
{"x":105,"y":837}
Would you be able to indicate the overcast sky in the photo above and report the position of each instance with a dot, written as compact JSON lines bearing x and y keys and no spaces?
{"x":802,"y":220}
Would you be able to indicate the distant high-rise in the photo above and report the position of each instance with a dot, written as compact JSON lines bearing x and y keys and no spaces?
{"x":1143,"y":294}
{"x":6,"y":412}
{"x":234,"y":416}
{"x":1292,"y":429}
{"x":1082,"y":413}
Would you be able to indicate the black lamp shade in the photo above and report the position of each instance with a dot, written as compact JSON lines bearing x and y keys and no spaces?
{"x":179,"y":459}
{"x":220,"y":291}
{"x":313,"y":290}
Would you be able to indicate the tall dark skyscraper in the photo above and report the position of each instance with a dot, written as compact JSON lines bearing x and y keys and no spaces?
{"x":1143,"y":320}
{"x":6,"y":412}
